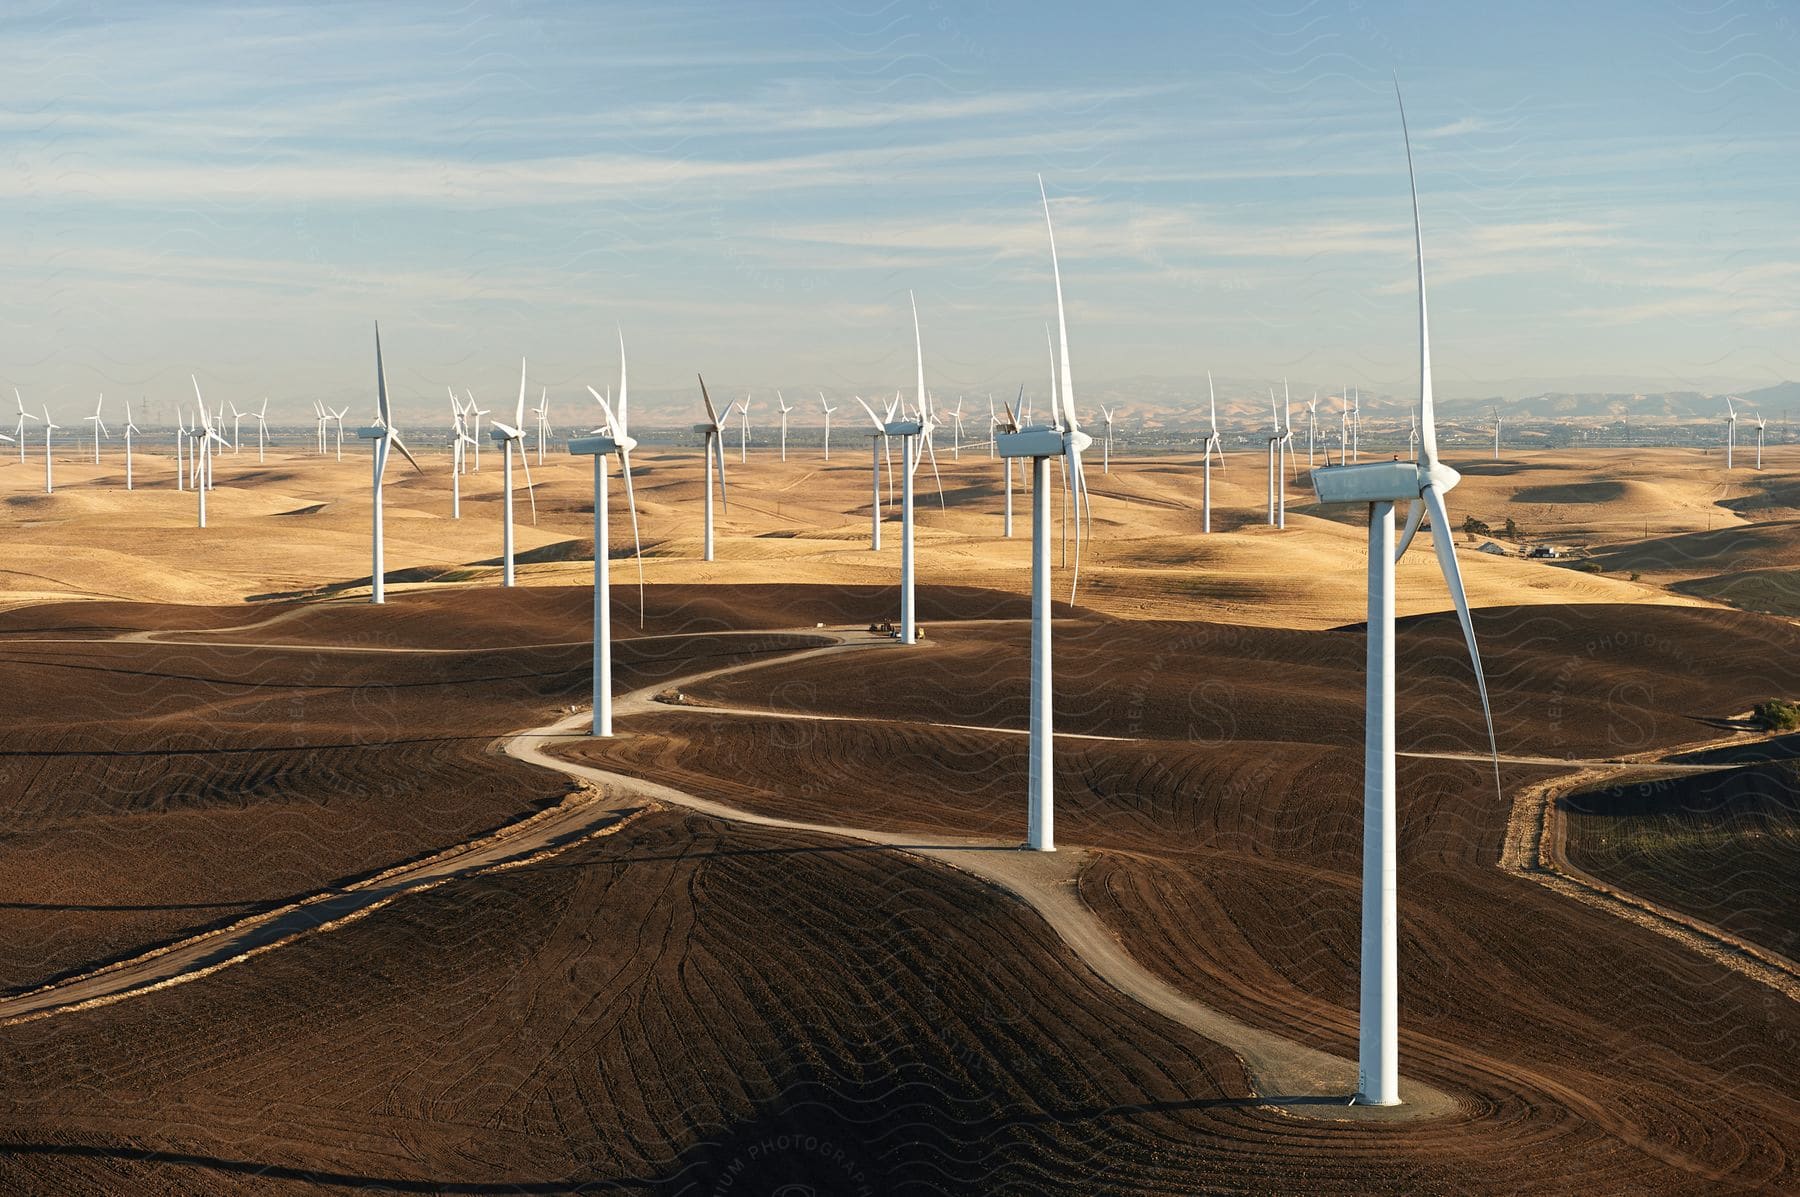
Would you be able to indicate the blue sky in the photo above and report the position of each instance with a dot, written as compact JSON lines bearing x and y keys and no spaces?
{"x":751,"y":190}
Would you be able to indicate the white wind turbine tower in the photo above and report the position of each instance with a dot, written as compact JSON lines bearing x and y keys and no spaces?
{"x":956,"y":431}
{"x":911,"y":432}
{"x":1730,"y":430}
{"x":1379,"y":485}
{"x":1760,"y":424}
{"x":1355,"y":424}
{"x":828,"y":409}
{"x":181,"y":436}
{"x":1273,"y":450}
{"x":475,"y":432}
{"x":877,"y":440}
{"x":20,"y":432}
{"x":261,"y":416}
{"x":130,"y":428}
{"x":743,"y":409}
{"x":1312,"y":423}
{"x":1412,"y":435}
{"x":384,"y":437}
{"x":237,"y":419}
{"x":460,"y":440}
{"x":1213,"y":445}
{"x":99,"y":427}
{"x":1063,"y":439}
{"x":507,"y":436}
{"x":323,"y":421}
{"x":714,"y":432}
{"x":49,"y":476}
{"x":614,"y":439}
{"x":542,"y":413}
{"x":1009,"y":423}
{"x":200,"y":453}
{"x":1106,"y":422}
{"x":1496,"y":408}
{"x":785,"y":409}
{"x":339,"y":417}
{"x":1284,"y":456}
{"x":993,"y":427}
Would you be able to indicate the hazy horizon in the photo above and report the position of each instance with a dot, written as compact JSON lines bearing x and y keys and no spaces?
{"x":751,"y":194}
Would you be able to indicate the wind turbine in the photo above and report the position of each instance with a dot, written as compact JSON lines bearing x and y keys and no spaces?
{"x":181,"y":434}
{"x":323,"y":420}
{"x":99,"y":427}
{"x":460,"y":440}
{"x":1355,"y":424}
{"x":49,"y":478}
{"x":1412,"y":435}
{"x":714,"y":432}
{"x":129,"y":429}
{"x":615,"y":439}
{"x":743,"y":408}
{"x":1002,"y":425}
{"x":1284,"y":455}
{"x":201,"y":452}
{"x":1760,"y":424}
{"x":1730,"y":430}
{"x":507,"y":436}
{"x":1496,"y":408}
{"x":1312,"y":424}
{"x":339,"y":417}
{"x":475,"y":432}
{"x":1063,"y":439}
{"x":785,"y":409}
{"x":877,"y":439}
{"x":237,"y":418}
{"x":1273,"y":448}
{"x":1106,"y":421}
{"x":828,"y":410}
{"x":261,"y":416}
{"x":956,"y":431}
{"x":1213,"y":445}
{"x":384,"y":437}
{"x":23,"y":416}
{"x":911,"y":432}
{"x":542,"y":412}
{"x":1379,"y":485}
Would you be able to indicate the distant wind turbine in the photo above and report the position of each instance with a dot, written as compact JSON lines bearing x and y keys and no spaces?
{"x":384,"y":436}
{"x":714,"y":432}
{"x":49,"y":478}
{"x":130,"y":428}
{"x":99,"y":427}
{"x":1213,"y":445}
{"x":828,"y":409}
{"x":785,"y":409}
{"x":616,"y":439}
{"x":508,"y":437}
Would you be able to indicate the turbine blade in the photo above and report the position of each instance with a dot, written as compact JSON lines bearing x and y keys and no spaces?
{"x":404,"y":452}
{"x":624,"y":399}
{"x":612,"y":425}
{"x":1414,"y":517}
{"x":519,"y":412}
{"x":530,"y":490}
{"x":636,"y":542}
{"x":1445,"y":545}
{"x":1427,"y":418}
{"x":712,"y":413}
{"x":381,"y":395}
{"x":719,"y":445}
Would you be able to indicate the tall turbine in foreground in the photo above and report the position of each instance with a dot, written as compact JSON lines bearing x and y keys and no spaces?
{"x":714,"y":432}
{"x":1064,"y":439}
{"x":507,"y":436}
{"x":1213,"y":445}
{"x":383,"y":436}
{"x":1380,"y":485}
{"x":613,"y":439}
